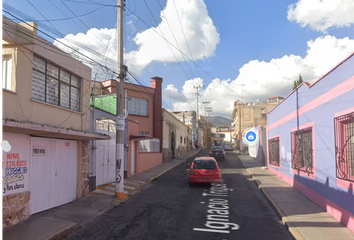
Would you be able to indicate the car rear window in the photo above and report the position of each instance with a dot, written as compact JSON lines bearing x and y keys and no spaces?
{"x":216,"y":149}
{"x":204,"y":164}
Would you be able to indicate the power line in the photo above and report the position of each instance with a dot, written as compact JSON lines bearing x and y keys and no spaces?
{"x":169,"y":26}
{"x":165,"y":39}
{"x":180,"y":22}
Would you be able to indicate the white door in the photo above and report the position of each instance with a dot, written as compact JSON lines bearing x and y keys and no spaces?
{"x":105,"y":159}
{"x":53,"y":178}
{"x":100,"y":164}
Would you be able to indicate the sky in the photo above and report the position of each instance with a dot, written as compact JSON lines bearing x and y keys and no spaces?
{"x":223,"y":50}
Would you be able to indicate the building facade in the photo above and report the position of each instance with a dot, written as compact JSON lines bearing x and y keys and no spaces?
{"x":143,"y":140}
{"x":248,"y":115}
{"x":310,"y":137}
{"x":177,"y":136}
{"x":46,"y":121}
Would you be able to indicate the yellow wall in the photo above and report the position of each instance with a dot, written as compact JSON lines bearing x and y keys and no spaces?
{"x":18,"y":103}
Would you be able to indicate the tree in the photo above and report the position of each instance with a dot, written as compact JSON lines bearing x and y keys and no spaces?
{"x":297,"y":82}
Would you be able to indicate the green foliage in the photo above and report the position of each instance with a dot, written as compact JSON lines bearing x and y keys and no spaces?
{"x":297,"y":82}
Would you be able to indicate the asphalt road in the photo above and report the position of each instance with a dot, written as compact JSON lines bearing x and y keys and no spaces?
{"x":170,"y":209}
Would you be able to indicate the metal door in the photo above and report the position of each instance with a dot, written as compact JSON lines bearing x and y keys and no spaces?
{"x":105,"y":159}
{"x":53,"y":173}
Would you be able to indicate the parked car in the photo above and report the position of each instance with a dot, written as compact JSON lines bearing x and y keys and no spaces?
{"x":217,"y":152}
{"x":204,"y":170}
{"x":228,"y":147}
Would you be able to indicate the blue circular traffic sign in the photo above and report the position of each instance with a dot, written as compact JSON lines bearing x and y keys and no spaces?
{"x":251,"y":136}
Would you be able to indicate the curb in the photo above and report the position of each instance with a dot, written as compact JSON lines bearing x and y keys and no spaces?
{"x":160,"y":174}
{"x":285,"y":220}
{"x":67,"y":230}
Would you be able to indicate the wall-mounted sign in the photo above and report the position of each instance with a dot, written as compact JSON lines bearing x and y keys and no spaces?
{"x":38,"y":151}
{"x":120,"y":122}
{"x":15,"y":164}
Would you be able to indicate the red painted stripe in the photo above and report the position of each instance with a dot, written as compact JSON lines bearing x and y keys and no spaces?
{"x":335,"y":92}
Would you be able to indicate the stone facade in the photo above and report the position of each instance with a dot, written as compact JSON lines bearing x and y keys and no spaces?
{"x":85,"y":165}
{"x":166,"y":155}
{"x":181,"y":150}
{"x":15,"y":208}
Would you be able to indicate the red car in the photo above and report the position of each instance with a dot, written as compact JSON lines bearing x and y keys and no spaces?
{"x":204,"y":170}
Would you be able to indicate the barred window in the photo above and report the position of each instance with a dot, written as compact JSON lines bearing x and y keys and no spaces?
{"x":138,"y":106}
{"x":274,"y":156}
{"x":344,"y":133}
{"x":54,"y":85}
{"x":302,"y":150}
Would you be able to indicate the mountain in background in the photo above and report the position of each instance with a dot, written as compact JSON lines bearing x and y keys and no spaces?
{"x":219,"y":121}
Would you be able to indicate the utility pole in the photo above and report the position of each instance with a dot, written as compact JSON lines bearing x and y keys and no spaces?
{"x":197,"y":93}
{"x":120,"y":120}
{"x":205,"y":108}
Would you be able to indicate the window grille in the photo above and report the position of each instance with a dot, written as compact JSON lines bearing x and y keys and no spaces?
{"x":149,"y":145}
{"x":344,"y":133}
{"x":274,"y":156}
{"x":302,"y":152}
{"x":138,"y":106}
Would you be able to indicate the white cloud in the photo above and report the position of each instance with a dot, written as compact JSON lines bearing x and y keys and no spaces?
{"x":95,"y":44}
{"x":198,"y":28}
{"x":268,"y":79}
{"x":321,"y":15}
{"x":171,"y":93}
{"x":200,"y":34}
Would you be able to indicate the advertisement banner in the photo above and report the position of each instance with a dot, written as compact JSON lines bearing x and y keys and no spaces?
{"x":15,"y":164}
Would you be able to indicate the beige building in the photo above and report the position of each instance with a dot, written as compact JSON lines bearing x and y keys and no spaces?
{"x":177,"y":136}
{"x":247,"y":115}
{"x":46,"y":121}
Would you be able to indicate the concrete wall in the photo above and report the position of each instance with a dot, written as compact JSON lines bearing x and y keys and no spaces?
{"x":145,"y":161}
{"x":19,"y":104}
{"x":171,"y":125}
{"x":19,"y":107}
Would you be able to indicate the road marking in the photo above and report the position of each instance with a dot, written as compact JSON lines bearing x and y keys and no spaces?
{"x":217,"y":219}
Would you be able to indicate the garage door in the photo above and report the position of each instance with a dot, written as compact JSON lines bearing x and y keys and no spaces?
{"x":53,"y":173}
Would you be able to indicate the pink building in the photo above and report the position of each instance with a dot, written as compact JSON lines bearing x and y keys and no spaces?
{"x":144,"y":139}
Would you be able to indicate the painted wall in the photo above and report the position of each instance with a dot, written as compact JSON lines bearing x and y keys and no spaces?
{"x":145,"y":161}
{"x":171,"y":124}
{"x":317,"y":106}
{"x":19,"y":104}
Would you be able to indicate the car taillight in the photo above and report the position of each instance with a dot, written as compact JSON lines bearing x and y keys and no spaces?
{"x":223,"y":152}
{"x":210,"y":152}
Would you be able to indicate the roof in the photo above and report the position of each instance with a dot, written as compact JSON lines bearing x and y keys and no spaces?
{"x":311,"y":85}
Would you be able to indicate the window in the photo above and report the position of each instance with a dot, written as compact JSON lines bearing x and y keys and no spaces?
{"x":203,"y":164}
{"x":274,"y":156}
{"x":344,"y":132}
{"x":302,"y":151}
{"x":143,"y":133}
{"x":138,"y":106}
{"x":54,"y":85}
{"x":6,"y":72}
{"x":181,"y":140}
{"x":149,"y":145}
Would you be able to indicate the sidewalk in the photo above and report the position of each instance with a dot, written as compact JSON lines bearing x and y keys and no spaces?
{"x":58,"y":222}
{"x":304,"y":219}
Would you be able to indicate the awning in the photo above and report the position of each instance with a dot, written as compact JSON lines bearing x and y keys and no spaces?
{"x":138,"y":137}
{"x":38,"y":130}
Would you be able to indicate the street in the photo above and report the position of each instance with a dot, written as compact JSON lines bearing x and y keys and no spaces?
{"x":170,"y":209}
